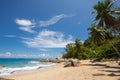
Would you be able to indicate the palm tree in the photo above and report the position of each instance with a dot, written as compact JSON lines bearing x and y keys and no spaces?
{"x":108,"y":18}
{"x":96,"y":34}
{"x":105,"y":13}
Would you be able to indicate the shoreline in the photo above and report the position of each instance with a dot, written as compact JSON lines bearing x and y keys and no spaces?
{"x":86,"y":71}
{"x":40,"y":68}
{"x":33,"y":71}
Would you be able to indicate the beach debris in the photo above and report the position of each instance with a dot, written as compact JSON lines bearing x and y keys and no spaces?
{"x":68,"y":63}
{"x":71,"y":63}
{"x":39,"y":67}
{"x":95,"y":60}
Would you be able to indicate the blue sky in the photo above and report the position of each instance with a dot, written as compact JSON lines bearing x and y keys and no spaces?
{"x":42,"y":28}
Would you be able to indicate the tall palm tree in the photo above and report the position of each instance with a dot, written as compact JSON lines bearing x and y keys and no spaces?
{"x":105,"y":13}
{"x":96,"y":34}
{"x":106,"y":16}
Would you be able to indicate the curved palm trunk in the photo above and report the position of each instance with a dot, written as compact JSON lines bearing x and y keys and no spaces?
{"x":117,"y":52}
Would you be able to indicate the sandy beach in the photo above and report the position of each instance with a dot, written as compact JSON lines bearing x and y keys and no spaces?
{"x":86,"y":71}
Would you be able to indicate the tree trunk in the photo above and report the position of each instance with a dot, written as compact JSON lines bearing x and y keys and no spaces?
{"x":117,"y":52}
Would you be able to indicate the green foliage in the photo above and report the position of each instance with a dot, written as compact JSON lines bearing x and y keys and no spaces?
{"x":105,"y":13}
{"x":75,"y":50}
{"x":104,"y":39}
{"x":90,"y":50}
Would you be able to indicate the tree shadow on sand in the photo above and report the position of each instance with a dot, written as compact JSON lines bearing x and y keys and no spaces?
{"x":104,"y":66}
{"x":114,"y":70}
{"x":119,"y":79}
{"x":111,"y":74}
{"x":5,"y":79}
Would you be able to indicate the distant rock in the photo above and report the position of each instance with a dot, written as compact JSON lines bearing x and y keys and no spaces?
{"x":56,"y":60}
{"x":1,"y":66}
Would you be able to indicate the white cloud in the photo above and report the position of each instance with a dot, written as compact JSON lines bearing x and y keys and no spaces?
{"x":28,"y":29}
{"x":12,"y":55}
{"x":48,"y":39}
{"x":29,"y":25}
{"x":5,"y":55}
{"x":43,"y":50}
{"x":26,"y":25}
{"x":10,"y":36}
{"x":40,"y":55}
{"x":23,"y":22}
{"x":8,"y":54}
{"x":43,"y":55}
{"x":53,"y":20}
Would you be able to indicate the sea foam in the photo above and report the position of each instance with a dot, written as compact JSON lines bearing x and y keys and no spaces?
{"x":33,"y":65}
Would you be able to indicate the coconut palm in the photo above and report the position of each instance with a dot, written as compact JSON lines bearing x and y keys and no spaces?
{"x":96,"y":34}
{"x":106,"y":17}
{"x":105,"y":14}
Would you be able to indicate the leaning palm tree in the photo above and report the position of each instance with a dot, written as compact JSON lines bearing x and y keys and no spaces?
{"x":96,"y":34}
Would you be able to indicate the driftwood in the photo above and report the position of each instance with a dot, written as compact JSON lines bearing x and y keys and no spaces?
{"x":71,"y":63}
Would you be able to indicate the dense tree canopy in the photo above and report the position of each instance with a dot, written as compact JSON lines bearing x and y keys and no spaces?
{"x":104,"y":35}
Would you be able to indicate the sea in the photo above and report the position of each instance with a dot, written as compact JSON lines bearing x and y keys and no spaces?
{"x":17,"y":65}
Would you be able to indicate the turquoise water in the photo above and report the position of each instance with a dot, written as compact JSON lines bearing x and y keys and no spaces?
{"x":18,"y":64}
{"x":15,"y":62}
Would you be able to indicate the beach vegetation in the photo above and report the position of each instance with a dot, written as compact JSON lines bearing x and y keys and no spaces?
{"x":104,"y":35}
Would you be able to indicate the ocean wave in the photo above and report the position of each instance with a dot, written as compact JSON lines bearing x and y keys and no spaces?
{"x":34,"y":62}
{"x":9,"y":70}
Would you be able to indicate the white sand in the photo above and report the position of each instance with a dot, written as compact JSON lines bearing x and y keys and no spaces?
{"x":86,"y":71}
